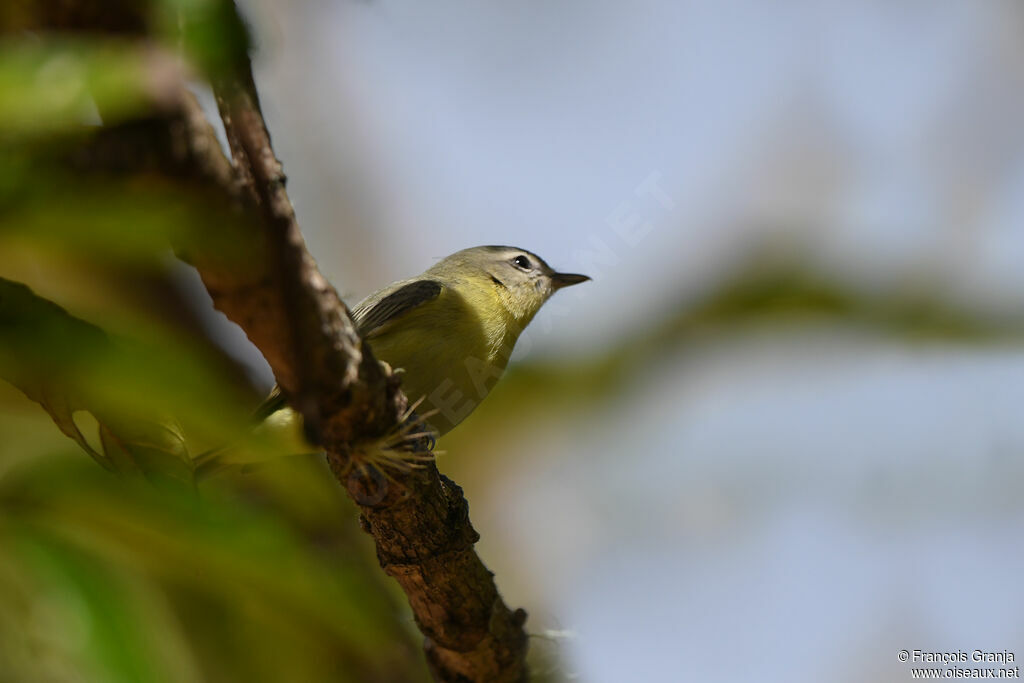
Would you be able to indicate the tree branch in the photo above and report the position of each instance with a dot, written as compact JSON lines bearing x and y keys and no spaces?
{"x":418,"y":519}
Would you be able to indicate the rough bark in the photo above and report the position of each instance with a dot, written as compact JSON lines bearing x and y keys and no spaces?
{"x":418,"y":519}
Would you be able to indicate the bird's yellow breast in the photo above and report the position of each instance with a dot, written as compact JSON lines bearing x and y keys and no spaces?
{"x":452,"y":351}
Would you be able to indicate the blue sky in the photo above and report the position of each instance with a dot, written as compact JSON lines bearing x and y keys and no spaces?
{"x":802,"y":499}
{"x":891,"y":130}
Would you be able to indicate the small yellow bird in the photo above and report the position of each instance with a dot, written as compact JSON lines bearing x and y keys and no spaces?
{"x":451,"y":330}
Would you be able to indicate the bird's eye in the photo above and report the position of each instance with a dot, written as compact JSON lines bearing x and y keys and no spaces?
{"x":522,"y":262}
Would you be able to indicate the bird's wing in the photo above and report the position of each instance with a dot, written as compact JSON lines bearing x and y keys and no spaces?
{"x":369,"y":315}
{"x":379,"y":309}
{"x":274,"y":402}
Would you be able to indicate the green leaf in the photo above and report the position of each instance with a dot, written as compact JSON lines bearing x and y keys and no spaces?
{"x":69,"y":366}
{"x":58,"y":84}
{"x":243,"y":584}
{"x":58,"y":407}
{"x":210,"y":31}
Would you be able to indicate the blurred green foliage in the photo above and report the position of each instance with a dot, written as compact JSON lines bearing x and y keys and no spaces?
{"x":48,"y":86}
{"x":109,"y":578}
{"x":142,"y":573}
{"x":148,"y":576}
{"x":208,"y":33}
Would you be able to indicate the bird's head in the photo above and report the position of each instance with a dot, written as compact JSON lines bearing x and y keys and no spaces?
{"x":520,"y":279}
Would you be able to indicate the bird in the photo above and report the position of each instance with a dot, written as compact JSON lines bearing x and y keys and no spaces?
{"x":451,"y":330}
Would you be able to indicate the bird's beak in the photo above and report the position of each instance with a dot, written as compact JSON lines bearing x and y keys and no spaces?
{"x":565,"y":279}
